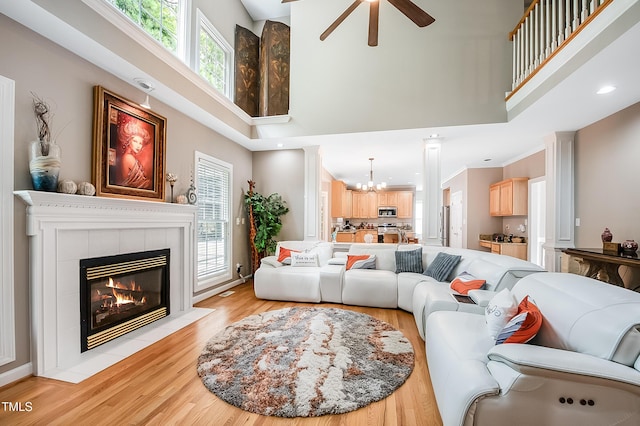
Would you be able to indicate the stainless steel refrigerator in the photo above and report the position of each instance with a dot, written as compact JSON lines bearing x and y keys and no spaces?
{"x":444,"y":226}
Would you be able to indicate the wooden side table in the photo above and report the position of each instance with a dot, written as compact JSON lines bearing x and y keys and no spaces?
{"x":603,"y":266}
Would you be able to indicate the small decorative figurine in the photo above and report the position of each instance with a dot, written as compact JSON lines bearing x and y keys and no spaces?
{"x":192,"y":197}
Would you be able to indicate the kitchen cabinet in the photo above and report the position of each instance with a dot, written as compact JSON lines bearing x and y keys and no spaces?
{"x":360,"y":233}
{"x":340,"y":199}
{"x":509,"y":197}
{"x":364,"y":205}
{"x":518,"y":250}
{"x":405,"y":204}
{"x":388,"y":199}
{"x":345,"y":237}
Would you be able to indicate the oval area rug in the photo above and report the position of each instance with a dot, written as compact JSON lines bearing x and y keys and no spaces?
{"x":303,"y":362}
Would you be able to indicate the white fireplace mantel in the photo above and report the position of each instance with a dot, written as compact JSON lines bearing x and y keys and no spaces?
{"x":65,"y":228}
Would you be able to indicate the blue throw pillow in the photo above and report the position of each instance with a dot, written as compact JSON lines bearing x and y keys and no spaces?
{"x":409,"y":261}
{"x":442,"y":266}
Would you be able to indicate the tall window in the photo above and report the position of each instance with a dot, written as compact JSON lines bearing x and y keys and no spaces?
{"x":214,"y":56}
{"x":213,"y":182}
{"x":160,"y":18}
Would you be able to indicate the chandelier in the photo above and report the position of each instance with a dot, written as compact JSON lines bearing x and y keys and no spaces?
{"x":370,"y":186}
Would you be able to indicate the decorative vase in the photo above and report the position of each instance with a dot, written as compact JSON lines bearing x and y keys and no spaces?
{"x":629,"y":246}
{"x":607,"y":236}
{"x":44,"y":165}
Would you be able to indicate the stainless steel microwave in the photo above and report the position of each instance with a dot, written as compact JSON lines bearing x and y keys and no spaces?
{"x":387,"y":212}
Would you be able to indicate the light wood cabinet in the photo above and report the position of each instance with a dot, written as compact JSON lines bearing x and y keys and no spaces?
{"x":345,"y":237}
{"x":360,"y":233}
{"x":509,"y":197}
{"x":340,"y":199}
{"x":388,"y":199}
{"x":405,"y":204}
{"x":514,"y":250}
{"x":364,"y":205}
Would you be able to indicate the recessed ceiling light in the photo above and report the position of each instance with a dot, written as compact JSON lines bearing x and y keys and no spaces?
{"x":434,"y":135}
{"x":280,"y":145}
{"x":606,"y":89}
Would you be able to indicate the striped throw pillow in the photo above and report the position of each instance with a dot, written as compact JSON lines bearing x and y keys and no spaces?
{"x":442,"y":266}
{"x":409,"y":261}
{"x":365,"y":261}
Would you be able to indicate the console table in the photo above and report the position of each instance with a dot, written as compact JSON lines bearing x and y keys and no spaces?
{"x":603,"y":265}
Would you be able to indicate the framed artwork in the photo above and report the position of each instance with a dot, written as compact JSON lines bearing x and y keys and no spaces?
{"x":128,"y":148}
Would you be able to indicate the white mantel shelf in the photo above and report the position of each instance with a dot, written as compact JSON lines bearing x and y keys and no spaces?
{"x":62,"y":230}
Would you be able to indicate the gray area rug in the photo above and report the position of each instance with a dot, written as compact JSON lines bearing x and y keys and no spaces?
{"x":302,"y":362}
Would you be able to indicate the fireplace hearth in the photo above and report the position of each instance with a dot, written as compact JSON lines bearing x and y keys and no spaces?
{"x":119,"y":294}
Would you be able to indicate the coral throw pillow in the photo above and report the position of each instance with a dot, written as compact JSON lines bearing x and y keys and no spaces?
{"x":465,"y":282}
{"x":365,"y":261}
{"x":523,"y":326}
{"x":284,"y":256}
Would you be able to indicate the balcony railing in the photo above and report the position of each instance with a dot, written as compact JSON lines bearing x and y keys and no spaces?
{"x":546,"y":27}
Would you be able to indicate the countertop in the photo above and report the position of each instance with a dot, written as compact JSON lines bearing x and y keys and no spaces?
{"x":486,"y":238}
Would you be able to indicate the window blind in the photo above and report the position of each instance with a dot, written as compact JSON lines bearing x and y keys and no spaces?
{"x":213,"y":186}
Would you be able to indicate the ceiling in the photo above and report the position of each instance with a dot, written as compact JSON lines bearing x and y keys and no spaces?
{"x":571,"y":105}
{"x":567,"y":103}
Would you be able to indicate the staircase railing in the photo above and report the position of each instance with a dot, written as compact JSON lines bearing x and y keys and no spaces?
{"x":545,"y":28}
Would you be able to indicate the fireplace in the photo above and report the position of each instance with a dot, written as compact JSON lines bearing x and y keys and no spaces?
{"x":119,"y":294}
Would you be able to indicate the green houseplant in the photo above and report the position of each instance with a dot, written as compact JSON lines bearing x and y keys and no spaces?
{"x":264,"y":221}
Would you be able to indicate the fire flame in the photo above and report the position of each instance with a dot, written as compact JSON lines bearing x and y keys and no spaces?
{"x":124,"y":297}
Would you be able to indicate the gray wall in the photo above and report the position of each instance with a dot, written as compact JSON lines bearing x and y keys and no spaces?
{"x":606,"y":173}
{"x":66,"y":81}
{"x":283,"y":172}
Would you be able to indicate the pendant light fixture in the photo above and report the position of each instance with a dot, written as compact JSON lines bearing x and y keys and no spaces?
{"x":370,"y":186}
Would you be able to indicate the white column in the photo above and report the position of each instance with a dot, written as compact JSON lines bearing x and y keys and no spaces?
{"x":7,"y":317}
{"x":560,"y":215}
{"x":312,"y":181}
{"x":432,"y":194}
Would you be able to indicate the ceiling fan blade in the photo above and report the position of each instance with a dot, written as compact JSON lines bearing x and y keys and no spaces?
{"x":288,"y":1}
{"x":341,"y":18}
{"x":413,"y":12}
{"x":374,"y":14}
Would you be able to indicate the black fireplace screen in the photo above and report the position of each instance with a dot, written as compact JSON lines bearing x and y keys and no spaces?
{"x":119,"y":294}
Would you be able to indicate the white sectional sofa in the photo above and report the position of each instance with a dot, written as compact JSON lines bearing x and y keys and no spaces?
{"x":582,"y":368}
{"x":383,"y":287}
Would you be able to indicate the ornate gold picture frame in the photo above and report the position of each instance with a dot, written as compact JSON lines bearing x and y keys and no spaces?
{"x":128,"y":148}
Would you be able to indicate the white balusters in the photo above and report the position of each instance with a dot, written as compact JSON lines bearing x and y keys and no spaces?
{"x":543,"y":30}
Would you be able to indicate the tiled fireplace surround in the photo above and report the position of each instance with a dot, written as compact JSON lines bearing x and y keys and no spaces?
{"x":63,"y":229}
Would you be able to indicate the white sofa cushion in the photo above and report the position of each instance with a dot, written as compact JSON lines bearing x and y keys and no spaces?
{"x":368,"y":287}
{"x":583,"y":315}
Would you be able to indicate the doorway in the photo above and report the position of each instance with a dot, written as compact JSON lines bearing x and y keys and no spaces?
{"x":537,"y":216}
{"x":455,"y":225}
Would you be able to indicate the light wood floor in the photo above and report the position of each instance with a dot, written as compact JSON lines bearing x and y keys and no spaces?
{"x":159,"y":385}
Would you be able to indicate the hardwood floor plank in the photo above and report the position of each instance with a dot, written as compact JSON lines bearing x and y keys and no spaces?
{"x":160,"y":385}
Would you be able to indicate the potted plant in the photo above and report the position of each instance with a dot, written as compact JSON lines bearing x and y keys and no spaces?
{"x":264,"y":221}
{"x":44,"y":153}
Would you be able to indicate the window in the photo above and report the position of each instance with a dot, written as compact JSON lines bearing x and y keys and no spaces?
{"x":162,"y":19}
{"x":213,"y":183}
{"x":214,"y":56}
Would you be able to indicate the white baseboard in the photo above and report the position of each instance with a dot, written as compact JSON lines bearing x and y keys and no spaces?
{"x":207,"y":294}
{"x":16,"y":374}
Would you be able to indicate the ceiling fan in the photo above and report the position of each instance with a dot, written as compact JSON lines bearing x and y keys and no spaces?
{"x":407,"y":7}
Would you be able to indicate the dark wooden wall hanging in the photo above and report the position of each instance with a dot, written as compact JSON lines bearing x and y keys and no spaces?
{"x":247,"y":70}
{"x":274,"y":69}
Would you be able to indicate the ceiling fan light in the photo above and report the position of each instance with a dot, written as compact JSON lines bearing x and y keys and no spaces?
{"x":383,"y":184}
{"x":358,"y":185}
